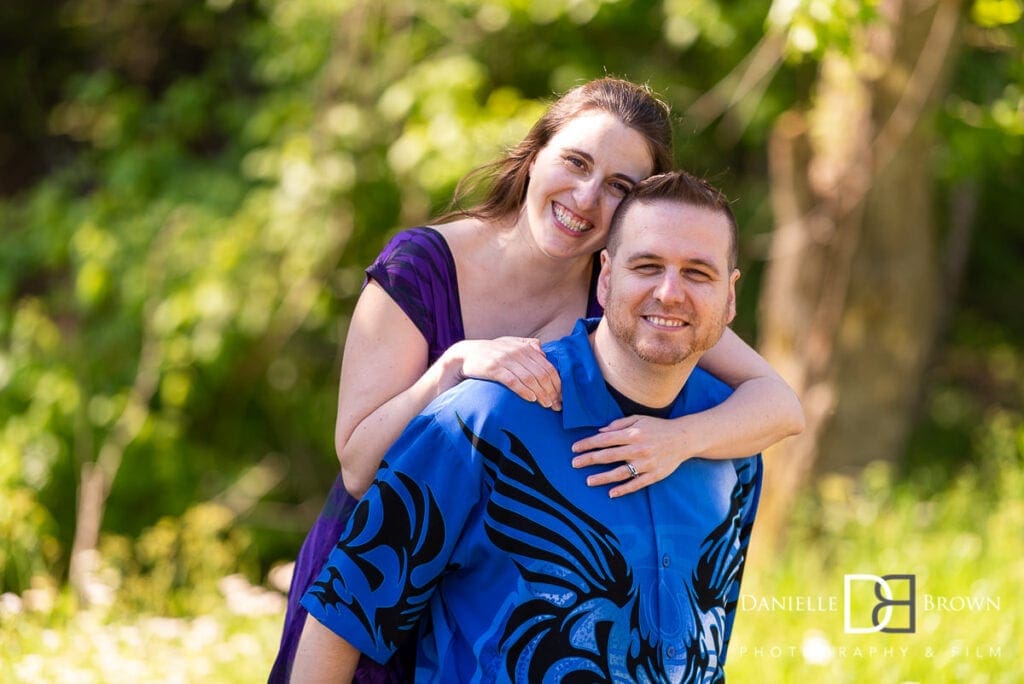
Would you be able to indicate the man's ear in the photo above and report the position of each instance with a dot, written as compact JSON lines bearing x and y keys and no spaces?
{"x":603,"y":278}
{"x":732,"y":294}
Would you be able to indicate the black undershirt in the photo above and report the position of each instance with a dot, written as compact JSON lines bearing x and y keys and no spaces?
{"x":632,"y":408}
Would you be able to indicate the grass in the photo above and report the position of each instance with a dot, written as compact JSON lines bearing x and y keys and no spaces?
{"x":212,"y":648}
{"x":231,"y":643}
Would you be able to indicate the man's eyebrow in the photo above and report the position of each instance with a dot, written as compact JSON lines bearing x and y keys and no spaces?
{"x":653,"y":256}
{"x":709,"y":265}
{"x":590,"y":160}
{"x":643,"y":256}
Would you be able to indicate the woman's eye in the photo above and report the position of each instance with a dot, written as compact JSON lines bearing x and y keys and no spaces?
{"x":576,"y":161}
{"x":621,"y":189}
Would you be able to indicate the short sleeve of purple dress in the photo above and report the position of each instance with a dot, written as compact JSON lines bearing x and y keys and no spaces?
{"x":417,"y":270}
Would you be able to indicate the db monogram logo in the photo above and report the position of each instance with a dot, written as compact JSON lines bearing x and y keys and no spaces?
{"x":889,"y":602}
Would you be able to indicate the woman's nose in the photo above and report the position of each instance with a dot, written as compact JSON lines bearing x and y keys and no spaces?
{"x":588,"y":193}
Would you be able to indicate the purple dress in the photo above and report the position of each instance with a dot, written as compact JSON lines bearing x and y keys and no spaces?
{"x":417,"y":270}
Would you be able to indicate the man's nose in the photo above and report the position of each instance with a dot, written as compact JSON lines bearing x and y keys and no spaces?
{"x":671,"y":289}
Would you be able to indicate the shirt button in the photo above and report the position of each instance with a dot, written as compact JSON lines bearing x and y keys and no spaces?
{"x":670,"y":652}
{"x":665,"y":562}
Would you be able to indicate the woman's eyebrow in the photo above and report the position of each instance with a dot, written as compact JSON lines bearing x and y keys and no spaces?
{"x":590,"y":160}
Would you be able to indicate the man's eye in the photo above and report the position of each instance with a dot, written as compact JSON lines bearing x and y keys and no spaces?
{"x":696,"y":274}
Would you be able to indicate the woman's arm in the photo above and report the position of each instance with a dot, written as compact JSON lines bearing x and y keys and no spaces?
{"x":323,"y":656}
{"x":385,"y":380}
{"x":762,"y":410}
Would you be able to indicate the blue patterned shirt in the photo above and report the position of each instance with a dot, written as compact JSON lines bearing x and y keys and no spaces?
{"x":479,"y":536}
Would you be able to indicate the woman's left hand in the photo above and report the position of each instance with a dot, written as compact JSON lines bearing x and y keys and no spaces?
{"x":654,"y":447}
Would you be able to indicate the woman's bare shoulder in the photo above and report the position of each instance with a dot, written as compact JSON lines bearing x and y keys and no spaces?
{"x":471,"y":241}
{"x":460,"y":233}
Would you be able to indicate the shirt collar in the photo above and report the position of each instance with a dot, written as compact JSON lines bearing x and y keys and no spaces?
{"x":585,"y":400}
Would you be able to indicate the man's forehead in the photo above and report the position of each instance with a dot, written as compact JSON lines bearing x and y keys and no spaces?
{"x":668,"y":227}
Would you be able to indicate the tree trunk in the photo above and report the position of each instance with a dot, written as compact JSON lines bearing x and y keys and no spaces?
{"x":848,"y":309}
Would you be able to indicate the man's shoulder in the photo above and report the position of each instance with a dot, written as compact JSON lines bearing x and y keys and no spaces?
{"x":563,"y":352}
{"x":476,"y":398}
{"x":479,"y":412}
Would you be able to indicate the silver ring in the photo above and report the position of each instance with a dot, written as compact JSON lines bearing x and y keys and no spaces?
{"x":632,"y":471}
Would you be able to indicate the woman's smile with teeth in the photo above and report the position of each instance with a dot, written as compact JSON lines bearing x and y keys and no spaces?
{"x":570,"y":220}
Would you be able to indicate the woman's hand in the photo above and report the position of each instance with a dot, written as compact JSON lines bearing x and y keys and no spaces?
{"x":654,"y":447}
{"x":516,"y":362}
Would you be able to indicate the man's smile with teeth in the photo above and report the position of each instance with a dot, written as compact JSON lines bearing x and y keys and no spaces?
{"x":570,"y":220}
{"x":666,"y":322}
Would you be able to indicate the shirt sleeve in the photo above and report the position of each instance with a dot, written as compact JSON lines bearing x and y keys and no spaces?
{"x":417,"y":271}
{"x":399,"y":542}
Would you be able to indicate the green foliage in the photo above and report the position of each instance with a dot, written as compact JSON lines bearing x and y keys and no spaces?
{"x":973,"y":415}
{"x":152,"y":254}
{"x":814,"y":27}
{"x":28,"y":546}
{"x":991,"y":13}
{"x":173,"y":568}
{"x":983,"y":120}
{"x":977,"y":381}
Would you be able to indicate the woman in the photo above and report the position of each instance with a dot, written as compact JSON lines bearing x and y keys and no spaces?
{"x":476,"y":296}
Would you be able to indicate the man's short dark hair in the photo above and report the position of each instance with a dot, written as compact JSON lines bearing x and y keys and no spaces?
{"x":681,"y":187}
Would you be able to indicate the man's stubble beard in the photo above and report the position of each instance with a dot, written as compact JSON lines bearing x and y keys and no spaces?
{"x":663,"y":355}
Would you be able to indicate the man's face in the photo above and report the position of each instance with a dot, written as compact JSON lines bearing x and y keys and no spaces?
{"x":668,"y":292}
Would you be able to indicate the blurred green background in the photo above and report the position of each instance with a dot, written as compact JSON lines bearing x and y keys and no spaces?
{"x":189,"y":190}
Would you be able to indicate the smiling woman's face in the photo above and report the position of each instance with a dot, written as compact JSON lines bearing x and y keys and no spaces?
{"x":578,"y":179}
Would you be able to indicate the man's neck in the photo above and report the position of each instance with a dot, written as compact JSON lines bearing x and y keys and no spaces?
{"x":645,"y":383}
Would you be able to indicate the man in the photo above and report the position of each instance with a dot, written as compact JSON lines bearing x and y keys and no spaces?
{"x":480,"y":536}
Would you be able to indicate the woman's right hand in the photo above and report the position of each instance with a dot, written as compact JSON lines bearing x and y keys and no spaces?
{"x":516,"y":362}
